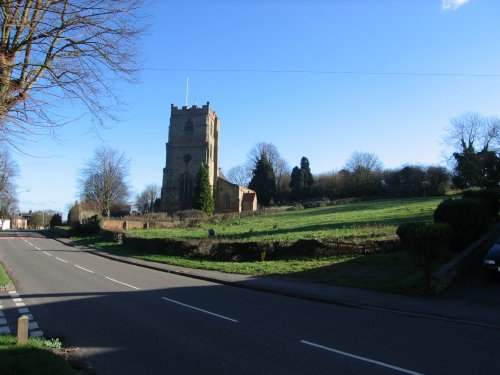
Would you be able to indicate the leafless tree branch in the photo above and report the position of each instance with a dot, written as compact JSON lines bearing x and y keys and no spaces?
{"x":57,"y":51}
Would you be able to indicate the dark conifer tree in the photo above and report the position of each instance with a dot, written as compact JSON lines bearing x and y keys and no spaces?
{"x":301,"y":180}
{"x":263,"y":180}
{"x":203,"y":198}
{"x":295,"y":183}
{"x":306,"y":178}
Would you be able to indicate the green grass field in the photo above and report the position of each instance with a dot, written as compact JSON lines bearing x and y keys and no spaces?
{"x":356,"y":222}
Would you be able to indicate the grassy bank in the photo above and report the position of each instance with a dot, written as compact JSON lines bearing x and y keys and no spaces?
{"x":391,"y":272}
{"x":356,"y":222}
{"x":4,"y":278}
{"x":33,"y":358}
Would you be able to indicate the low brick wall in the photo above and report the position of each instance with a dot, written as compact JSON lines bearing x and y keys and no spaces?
{"x":119,"y":225}
{"x":112,"y":224}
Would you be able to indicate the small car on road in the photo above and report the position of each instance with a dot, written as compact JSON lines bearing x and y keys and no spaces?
{"x":492,"y":258}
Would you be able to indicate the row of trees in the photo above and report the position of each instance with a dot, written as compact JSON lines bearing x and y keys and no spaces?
{"x":473,"y":142}
{"x":362,"y":176}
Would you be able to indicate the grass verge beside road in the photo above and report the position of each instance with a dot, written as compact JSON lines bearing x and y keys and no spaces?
{"x":33,"y":358}
{"x":390,"y":272}
{"x":4,"y":278}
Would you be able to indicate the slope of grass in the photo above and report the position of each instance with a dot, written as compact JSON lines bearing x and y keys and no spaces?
{"x":392,"y":272}
{"x":4,"y":278}
{"x":33,"y":358}
{"x":357,"y":222}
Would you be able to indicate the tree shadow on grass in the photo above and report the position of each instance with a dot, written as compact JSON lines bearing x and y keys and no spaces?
{"x":350,"y":226}
{"x":360,"y":206}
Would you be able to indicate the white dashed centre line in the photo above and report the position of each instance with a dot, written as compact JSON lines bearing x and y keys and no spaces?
{"x":201,"y":310}
{"x":361,"y":358}
{"x":77,"y":266}
{"x":119,"y":282}
{"x":46,"y":253}
{"x":62,"y":260}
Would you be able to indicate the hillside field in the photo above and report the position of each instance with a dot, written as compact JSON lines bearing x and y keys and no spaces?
{"x":355,"y":222}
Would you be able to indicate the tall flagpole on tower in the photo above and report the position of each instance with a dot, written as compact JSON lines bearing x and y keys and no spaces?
{"x":187,"y":90}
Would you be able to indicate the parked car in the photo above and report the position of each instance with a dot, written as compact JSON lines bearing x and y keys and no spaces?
{"x":492,"y":258}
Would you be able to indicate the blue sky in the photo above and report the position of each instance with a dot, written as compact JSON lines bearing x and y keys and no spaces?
{"x":317,"y":78}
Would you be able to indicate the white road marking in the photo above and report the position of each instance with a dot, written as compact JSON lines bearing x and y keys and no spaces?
{"x":32,"y":326}
{"x":77,"y":266}
{"x":119,"y":282}
{"x":46,"y":253}
{"x":62,"y":260}
{"x":37,"y":248}
{"x":361,"y":358}
{"x":198,"y":309}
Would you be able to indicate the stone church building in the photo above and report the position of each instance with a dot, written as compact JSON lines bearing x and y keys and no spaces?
{"x":193,"y":140}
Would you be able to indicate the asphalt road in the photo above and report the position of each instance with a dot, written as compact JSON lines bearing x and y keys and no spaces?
{"x":129,"y":320}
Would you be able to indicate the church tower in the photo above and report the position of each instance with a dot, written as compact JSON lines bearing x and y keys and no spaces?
{"x":193,"y":140}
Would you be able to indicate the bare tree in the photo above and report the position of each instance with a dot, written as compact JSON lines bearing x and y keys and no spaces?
{"x":282,"y":171}
{"x":238,"y":175}
{"x":58,"y":51}
{"x":363,"y":160}
{"x":145,"y":201}
{"x":8,"y":173}
{"x":364,"y":174}
{"x":103,"y":180}
{"x":281,"y":168}
{"x":473,"y":131}
{"x":474,"y":142}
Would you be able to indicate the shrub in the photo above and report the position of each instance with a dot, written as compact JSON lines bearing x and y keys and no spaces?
{"x":491,"y":197}
{"x":91,"y":225}
{"x":468,"y":219}
{"x":427,"y":242}
{"x":55,"y":220}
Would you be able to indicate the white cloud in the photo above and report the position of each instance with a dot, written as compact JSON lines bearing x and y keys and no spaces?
{"x":452,"y":4}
